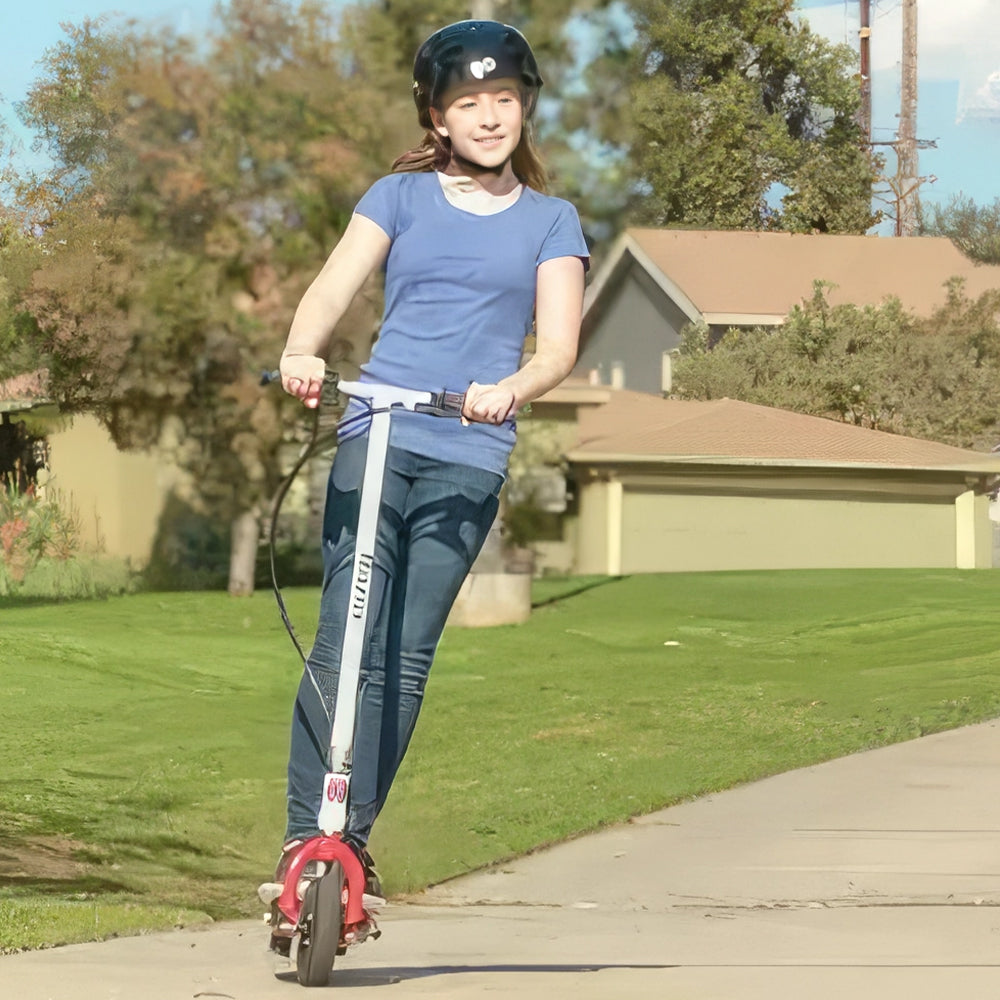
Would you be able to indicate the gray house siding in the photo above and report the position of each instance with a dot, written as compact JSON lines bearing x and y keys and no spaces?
{"x":634,"y":329}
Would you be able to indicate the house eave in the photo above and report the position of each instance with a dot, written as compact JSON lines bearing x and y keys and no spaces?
{"x":728,"y":319}
{"x":23,"y":405}
{"x":592,"y":395}
{"x":990,"y":467}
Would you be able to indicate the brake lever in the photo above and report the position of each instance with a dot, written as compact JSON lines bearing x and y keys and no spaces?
{"x":443,"y":404}
{"x":329,"y":395}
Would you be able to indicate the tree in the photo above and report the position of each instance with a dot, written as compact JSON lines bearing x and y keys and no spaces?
{"x":197,"y":190}
{"x":874,"y":366}
{"x":198,"y":187}
{"x":734,"y":102}
{"x":974,"y":229}
{"x":19,"y":334}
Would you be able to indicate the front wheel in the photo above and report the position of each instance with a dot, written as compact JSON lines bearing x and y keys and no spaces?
{"x":320,"y":922}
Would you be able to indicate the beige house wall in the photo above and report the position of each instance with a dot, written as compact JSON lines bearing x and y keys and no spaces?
{"x":732,"y":532}
{"x":119,"y":495}
{"x":973,"y":531}
{"x":664,"y":529}
{"x":593,"y":528}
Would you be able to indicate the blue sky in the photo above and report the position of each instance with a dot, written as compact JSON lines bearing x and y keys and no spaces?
{"x":958,"y":60}
{"x":959,"y":49}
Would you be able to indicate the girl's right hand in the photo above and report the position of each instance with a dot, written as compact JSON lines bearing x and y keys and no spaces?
{"x":302,"y":377}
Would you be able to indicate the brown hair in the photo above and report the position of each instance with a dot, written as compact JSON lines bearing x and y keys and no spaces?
{"x":434,"y":153}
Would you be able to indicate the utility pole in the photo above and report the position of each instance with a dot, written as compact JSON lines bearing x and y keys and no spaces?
{"x":907,"y":170}
{"x":865,"y":35}
{"x":482,"y":10}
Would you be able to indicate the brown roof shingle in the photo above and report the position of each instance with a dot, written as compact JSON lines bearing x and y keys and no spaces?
{"x":766,"y":274}
{"x":642,"y":427}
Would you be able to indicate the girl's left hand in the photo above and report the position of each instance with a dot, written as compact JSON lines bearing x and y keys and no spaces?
{"x":488,"y":404}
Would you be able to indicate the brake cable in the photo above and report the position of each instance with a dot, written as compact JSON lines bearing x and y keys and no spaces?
{"x":440,"y":404}
{"x":329,"y":397}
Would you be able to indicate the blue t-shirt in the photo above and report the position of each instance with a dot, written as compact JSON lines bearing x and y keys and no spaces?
{"x":459,"y":301}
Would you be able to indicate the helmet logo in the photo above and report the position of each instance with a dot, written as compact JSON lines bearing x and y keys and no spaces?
{"x":480,"y":67}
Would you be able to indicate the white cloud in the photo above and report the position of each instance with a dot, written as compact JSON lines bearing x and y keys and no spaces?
{"x":951,"y":34}
{"x":982,"y":104}
{"x":957,"y":40}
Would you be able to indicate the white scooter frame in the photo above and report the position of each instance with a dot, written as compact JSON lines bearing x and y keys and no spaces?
{"x":326,"y":907}
{"x":382,"y":400}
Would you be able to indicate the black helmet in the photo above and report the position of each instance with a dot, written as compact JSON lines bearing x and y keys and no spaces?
{"x":472,"y":50}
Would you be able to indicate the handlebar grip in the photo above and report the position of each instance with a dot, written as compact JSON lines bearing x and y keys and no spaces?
{"x":328,"y":394}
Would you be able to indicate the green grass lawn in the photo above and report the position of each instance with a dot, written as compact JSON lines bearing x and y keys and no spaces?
{"x":143,"y":738}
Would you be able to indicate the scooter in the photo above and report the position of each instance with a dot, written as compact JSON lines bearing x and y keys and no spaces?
{"x":321,"y":900}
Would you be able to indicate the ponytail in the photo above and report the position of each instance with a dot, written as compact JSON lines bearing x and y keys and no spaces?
{"x":433,"y":153}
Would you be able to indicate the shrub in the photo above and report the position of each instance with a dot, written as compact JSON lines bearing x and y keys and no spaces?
{"x":84,"y":576}
{"x":33,"y":526}
{"x":40,"y":543}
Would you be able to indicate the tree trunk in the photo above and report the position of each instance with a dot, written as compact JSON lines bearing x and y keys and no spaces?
{"x":243,"y":553}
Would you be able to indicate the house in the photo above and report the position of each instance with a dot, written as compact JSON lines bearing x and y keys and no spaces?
{"x":118,"y":496}
{"x":667,"y":485}
{"x":655,"y":282}
{"x":653,"y":489}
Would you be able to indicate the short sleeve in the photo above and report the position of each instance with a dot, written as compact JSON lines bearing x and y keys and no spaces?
{"x":380,"y":203}
{"x":565,"y":238}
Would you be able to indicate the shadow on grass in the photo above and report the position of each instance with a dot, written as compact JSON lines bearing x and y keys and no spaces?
{"x":12,"y":601}
{"x":574,"y":589}
{"x":42,"y":885}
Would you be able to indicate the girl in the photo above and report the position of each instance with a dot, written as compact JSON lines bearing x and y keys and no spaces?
{"x":472,"y":250}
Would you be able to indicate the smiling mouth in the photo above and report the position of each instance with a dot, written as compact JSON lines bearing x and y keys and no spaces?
{"x":491,"y":140}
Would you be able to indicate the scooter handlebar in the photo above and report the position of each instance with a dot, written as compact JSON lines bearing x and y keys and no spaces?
{"x":438,"y":404}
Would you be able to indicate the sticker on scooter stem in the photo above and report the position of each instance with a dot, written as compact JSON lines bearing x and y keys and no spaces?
{"x":336,"y":787}
{"x":333,"y":806}
{"x":361,"y":584}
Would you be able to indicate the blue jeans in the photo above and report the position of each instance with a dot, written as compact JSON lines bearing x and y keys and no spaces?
{"x":433,"y":521}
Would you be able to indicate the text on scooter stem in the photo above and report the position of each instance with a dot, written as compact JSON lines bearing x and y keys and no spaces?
{"x":361,"y":585}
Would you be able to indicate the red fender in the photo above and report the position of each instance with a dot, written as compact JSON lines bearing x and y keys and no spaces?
{"x":325,"y":849}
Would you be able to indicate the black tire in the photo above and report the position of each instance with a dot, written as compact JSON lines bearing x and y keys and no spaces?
{"x":320,"y":921}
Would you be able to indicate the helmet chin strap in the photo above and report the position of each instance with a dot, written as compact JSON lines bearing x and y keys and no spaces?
{"x":469,"y":168}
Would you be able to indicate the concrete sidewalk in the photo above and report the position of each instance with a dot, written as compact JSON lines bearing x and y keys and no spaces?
{"x":874,"y":876}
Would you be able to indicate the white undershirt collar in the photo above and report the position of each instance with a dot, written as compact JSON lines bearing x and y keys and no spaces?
{"x":466,"y":194}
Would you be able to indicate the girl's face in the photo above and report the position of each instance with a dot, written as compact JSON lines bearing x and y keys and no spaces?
{"x":483,"y":119}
